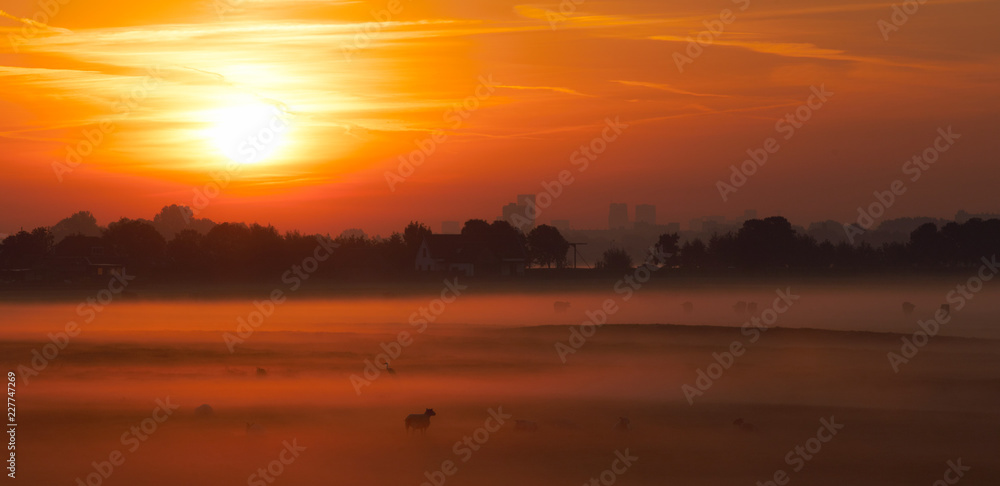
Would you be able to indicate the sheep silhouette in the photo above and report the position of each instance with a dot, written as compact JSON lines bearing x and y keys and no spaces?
{"x":419,"y":421}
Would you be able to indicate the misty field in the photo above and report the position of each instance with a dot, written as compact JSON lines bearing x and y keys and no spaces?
{"x":121,"y":398}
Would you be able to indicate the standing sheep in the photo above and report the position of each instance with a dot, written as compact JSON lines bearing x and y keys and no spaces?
{"x":419,"y":421}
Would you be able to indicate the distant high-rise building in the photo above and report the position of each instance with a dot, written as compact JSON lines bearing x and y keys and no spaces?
{"x":618,"y":216}
{"x":528,"y":201}
{"x":749,"y":214}
{"x":695,"y":224}
{"x":521,"y":214}
{"x":673,"y":227}
{"x":645,"y":214}
{"x":561,"y":224}
{"x":513,"y":213}
{"x":451,"y":228}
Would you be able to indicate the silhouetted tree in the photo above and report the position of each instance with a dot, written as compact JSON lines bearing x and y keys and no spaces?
{"x":926,"y":244}
{"x":505,"y":239}
{"x":615,"y":260}
{"x":667,"y":244}
{"x":81,"y":223}
{"x":186,"y":252}
{"x":694,"y":254}
{"x":765,"y":242}
{"x":137,"y":241}
{"x":477,"y":230}
{"x":546,"y":246}
{"x":227,"y":248}
{"x":414,"y":236}
{"x":173,"y":219}
{"x":24,"y":249}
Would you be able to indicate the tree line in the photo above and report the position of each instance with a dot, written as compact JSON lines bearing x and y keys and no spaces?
{"x":176,"y":245}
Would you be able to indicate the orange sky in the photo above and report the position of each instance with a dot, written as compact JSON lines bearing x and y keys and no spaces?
{"x":351,"y":104}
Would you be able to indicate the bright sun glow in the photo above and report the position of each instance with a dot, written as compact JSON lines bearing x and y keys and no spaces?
{"x":249,"y":132}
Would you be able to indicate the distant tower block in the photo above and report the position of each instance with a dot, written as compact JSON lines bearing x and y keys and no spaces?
{"x":451,"y":228}
{"x":749,"y":214}
{"x":645,"y":214}
{"x":618,"y":216}
{"x":516,"y":215}
{"x":528,"y":201}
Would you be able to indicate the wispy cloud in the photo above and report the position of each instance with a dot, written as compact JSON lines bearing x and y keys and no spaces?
{"x":668,"y":88}
{"x":556,"y":89}
{"x":34,"y":23}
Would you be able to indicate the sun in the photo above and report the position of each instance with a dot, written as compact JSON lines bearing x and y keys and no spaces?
{"x":249,"y":132}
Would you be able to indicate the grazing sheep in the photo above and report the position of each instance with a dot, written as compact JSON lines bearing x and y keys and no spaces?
{"x":688,"y":307}
{"x":525,"y":426}
{"x":623,"y":424}
{"x":560,"y":306}
{"x":419,"y":421}
{"x":740,"y":307}
{"x":389,"y":370}
{"x":254,"y":428}
{"x":751,"y":307}
{"x":261,"y":372}
{"x":908,"y":308}
{"x":204,"y":410}
{"x":946,"y":308}
{"x":739,"y":423}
